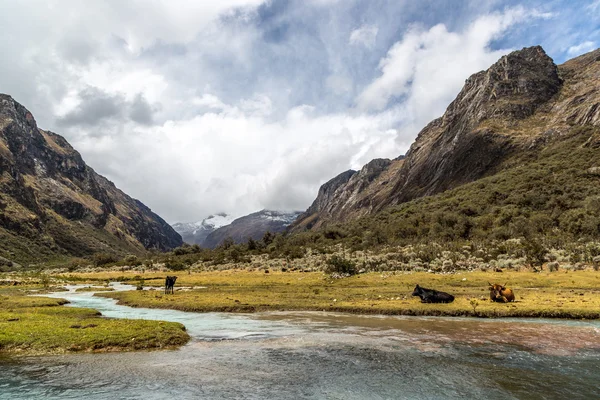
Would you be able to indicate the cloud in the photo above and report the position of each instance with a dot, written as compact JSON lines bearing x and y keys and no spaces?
{"x":431,"y":64}
{"x":581,"y":48}
{"x":95,"y":106}
{"x":232,"y":158}
{"x":365,"y":36}
{"x":140,"y":111}
{"x":238,"y":105}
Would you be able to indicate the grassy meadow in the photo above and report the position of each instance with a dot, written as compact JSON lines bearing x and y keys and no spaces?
{"x":41,"y":325}
{"x":565,"y":294}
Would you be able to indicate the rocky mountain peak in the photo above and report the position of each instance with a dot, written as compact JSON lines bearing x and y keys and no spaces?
{"x":520,"y":102}
{"x":253,"y":225}
{"x":512,"y":88}
{"x":51,"y":202}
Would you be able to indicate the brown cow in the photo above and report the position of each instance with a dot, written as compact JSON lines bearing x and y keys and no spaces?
{"x":500,"y":293}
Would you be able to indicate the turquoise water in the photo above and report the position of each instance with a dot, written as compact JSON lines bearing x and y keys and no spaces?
{"x":324,"y":356}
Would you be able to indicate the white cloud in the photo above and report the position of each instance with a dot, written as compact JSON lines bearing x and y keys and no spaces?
{"x":581,"y":48}
{"x":233,"y":159}
{"x":594,"y":6}
{"x":429,"y":66}
{"x":365,"y":36}
{"x":201,"y":107}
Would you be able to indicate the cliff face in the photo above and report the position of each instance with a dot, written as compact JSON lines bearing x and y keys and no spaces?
{"x":53,"y":204}
{"x":520,"y":103}
{"x":350,"y":194}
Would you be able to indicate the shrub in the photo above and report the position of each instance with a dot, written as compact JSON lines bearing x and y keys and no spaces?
{"x":132,"y":259}
{"x":101,"y":259}
{"x":535,"y":252}
{"x":175,"y":265}
{"x":76,"y":263}
{"x":337,"y":264}
{"x":553,"y":266}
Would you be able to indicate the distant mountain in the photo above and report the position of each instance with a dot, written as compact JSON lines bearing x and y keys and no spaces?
{"x":502,"y":118}
{"x":53,"y":205}
{"x":196,"y":232}
{"x":253,"y":226}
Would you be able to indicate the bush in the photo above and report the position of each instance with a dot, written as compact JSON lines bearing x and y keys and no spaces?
{"x":175,"y":265}
{"x":337,"y":264}
{"x":132,"y":259}
{"x":101,"y":259}
{"x":76,"y":263}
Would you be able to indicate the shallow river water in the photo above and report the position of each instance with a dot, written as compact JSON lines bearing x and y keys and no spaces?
{"x":308,"y":355}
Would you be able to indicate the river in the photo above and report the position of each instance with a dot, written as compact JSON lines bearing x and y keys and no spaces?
{"x":310,"y":355}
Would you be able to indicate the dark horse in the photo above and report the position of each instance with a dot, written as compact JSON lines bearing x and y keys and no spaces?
{"x":432,"y":296}
{"x":170,"y":284}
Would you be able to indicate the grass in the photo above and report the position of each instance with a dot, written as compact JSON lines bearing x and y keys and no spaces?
{"x":94,"y":289}
{"x":550,"y":295}
{"x":40,"y":325}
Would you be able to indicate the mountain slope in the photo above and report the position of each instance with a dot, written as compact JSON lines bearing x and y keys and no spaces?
{"x":53,"y":205}
{"x":518,"y":105}
{"x":197,"y":232}
{"x":253,"y":226}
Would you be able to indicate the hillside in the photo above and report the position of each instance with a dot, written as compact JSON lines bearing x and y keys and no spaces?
{"x":503,"y":117}
{"x":52,"y":205}
{"x":253,"y":226}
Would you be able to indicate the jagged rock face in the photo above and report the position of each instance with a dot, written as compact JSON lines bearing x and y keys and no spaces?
{"x":518,"y":104}
{"x":459,"y":147}
{"x":350,"y":194}
{"x":325,"y":199}
{"x":253,"y":226}
{"x":49,"y":196}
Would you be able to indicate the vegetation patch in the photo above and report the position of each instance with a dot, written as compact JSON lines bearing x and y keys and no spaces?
{"x":39,"y":325}
{"x":94,"y":289}
{"x":549,"y":295}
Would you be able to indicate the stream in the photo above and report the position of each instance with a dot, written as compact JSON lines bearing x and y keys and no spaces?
{"x":317,"y":355}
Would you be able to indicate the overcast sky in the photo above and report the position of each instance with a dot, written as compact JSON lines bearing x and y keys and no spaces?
{"x":198,"y":107}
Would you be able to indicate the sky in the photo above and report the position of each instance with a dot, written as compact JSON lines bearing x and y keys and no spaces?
{"x":200,"y":107}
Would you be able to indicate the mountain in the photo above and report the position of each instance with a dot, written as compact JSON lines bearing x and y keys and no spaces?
{"x":503,"y":117}
{"x":253,"y":226}
{"x":196,"y":232}
{"x":52,"y":205}
{"x":351,"y":194}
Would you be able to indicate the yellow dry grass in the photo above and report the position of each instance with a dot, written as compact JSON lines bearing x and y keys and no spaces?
{"x":558,"y":294}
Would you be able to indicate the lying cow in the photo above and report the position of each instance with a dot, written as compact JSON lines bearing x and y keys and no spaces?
{"x":432,"y":296}
{"x":170,"y":284}
{"x":501,"y":294}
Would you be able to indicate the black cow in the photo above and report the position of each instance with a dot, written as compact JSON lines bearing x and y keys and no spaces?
{"x":170,"y":284}
{"x":432,"y":296}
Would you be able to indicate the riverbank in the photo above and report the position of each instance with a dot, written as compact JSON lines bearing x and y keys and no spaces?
{"x":550,"y":295}
{"x":42,"y":325}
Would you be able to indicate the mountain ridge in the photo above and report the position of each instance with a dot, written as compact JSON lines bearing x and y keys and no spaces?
{"x":521,"y":102}
{"x":253,"y":226}
{"x":52,"y":204}
{"x":196,"y":232}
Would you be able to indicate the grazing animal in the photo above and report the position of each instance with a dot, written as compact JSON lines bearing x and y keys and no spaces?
{"x":170,"y":284}
{"x":432,"y":296}
{"x":500,"y":293}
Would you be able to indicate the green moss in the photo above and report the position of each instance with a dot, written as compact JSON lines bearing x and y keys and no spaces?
{"x":38,"y":325}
